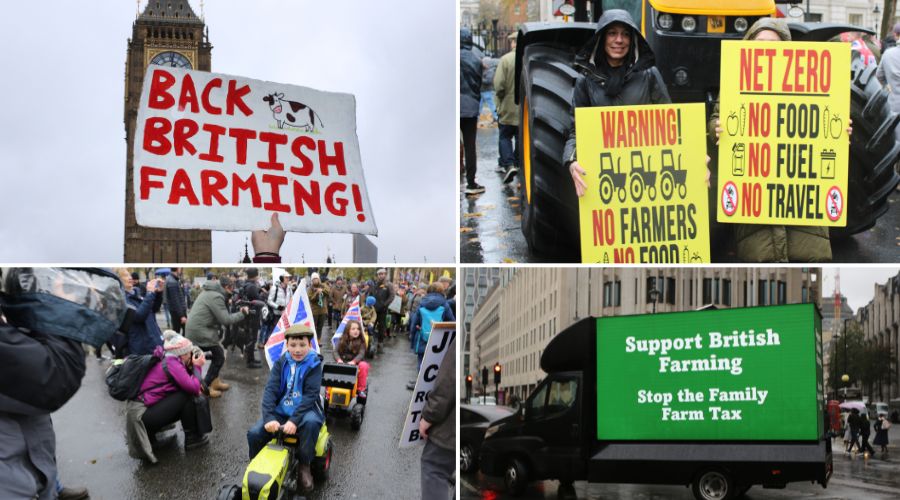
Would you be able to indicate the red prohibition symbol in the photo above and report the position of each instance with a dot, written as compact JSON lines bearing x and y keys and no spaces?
{"x":729,"y":198}
{"x":834,"y":204}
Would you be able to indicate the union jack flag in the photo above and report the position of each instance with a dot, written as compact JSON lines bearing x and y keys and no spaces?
{"x":352,"y":314}
{"x":298,"y":310}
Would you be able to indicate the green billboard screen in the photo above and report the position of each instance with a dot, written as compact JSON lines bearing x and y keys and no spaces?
{"x":732,"y":374}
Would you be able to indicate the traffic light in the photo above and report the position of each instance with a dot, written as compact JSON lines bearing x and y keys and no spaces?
{"x":468,"y":383}
{"x":497,"y":370}
{"x":484,"y":376}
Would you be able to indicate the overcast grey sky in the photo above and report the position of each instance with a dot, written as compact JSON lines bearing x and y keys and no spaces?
{"x":857,"y":283}
{"x":62,"y":147}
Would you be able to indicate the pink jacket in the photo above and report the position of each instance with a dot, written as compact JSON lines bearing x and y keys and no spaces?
{"x":157,"y":386}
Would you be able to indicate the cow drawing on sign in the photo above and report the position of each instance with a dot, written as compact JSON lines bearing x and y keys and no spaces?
{"x":292,"y":113}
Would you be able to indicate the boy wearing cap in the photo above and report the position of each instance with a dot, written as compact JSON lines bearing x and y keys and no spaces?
{"x":291,"y":399}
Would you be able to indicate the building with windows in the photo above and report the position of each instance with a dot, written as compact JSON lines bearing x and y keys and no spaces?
{"x":880,"y":321}
{"x":476,"y":284}
{"x":534,"y":304}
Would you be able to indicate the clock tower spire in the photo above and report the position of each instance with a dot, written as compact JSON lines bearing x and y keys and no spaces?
{"x":170,"y":33}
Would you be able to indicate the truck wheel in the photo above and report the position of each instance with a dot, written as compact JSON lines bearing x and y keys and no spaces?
{"x":743,"y":491}
{"x":874,"y":151}
{"x":566,"y":491}
{"x":714,"y":484}
{"x":515,"y":478}
{"x":549,"y":206}
{"x":229,"y":492}
{"x":467,"y":458}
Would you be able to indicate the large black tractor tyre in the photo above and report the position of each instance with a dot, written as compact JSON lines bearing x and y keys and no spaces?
{"x":550,"y":213}
{"x":229,"y":492}
{"x":874,"y":152}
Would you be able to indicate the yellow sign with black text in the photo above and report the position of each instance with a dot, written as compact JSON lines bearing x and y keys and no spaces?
{"x":784,"y":109}
{"x":646,"y":199}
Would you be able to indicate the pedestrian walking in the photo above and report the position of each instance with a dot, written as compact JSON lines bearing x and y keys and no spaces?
{"x":881,"y":433}
{"x":505,"y":89}
{"x":488,"y":68}
{"x":469,"y":97}
{"x":318,"y":294}
{"x":855,"y":422}
{"x":175,"y":300}
{"x":865,"y":430}
{"x":438,"y":427}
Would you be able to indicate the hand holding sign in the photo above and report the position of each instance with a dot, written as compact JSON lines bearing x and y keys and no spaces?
{"x":268,"y":241}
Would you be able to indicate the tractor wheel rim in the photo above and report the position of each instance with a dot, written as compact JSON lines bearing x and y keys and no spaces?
{"x":511,"y":476}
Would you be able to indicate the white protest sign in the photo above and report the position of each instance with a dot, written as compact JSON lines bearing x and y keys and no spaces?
{"x":442,"y":335}
{"x":216,"y":151}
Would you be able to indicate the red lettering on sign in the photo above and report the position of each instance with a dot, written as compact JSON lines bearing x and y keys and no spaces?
{"x":184,"y":130}
{"x":336,"y":160}
{"x":188,"y":95}
{"x":297,"y":146}
{"x":155,"y":140}
{"x":147,"y":184}
{"x":181,"y":188}
{"x":273,"y":140}
{"x":160,"y":83}
{"x":235,"y":98}
{"x":212,"y":183}
{"x":215,"y":83}
{"x":215,"y":131}
{"x":307,"y":198}
{"x":275,"y":182}
{"x":238,"y":185}
{"x":241,"y":136}
{"x":336,"y":206}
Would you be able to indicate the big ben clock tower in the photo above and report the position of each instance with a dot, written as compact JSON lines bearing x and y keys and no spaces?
{"x":167,"y":32}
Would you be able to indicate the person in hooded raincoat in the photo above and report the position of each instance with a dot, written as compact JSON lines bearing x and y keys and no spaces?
{"x":617,"y":68}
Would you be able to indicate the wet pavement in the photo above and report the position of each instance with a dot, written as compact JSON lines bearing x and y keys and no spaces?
{"x":491,"y":232}
{"x":854,"y":478}
{"x":368,"y":463}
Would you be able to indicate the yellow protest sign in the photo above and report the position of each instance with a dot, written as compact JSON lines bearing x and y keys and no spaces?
{"x":646,"y":198}
{"x":784,"y":109}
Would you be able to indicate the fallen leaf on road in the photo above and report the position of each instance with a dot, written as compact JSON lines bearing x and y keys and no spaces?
{"x":473,"y":214}
{"x":488,"y":207}
{"x":518,"y":217}
{"x":473,"y":240}
{"x":466,"y":229}
{"x":507,"y":260}
{"x":513,"y":198}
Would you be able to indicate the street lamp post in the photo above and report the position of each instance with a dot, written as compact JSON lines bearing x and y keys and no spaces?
{"x":654,"y":296}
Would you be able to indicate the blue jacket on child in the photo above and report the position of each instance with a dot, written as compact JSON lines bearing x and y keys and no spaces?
{"x":310,"y":379}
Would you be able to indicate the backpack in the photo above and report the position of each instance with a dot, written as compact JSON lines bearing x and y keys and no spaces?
{"x":124,"y":377}
{"x":429,"y":317}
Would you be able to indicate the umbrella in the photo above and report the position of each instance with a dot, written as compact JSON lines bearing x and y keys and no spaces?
{"x":849,"y":405}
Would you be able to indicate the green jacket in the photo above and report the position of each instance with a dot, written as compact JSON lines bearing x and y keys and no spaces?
{"x":209,"y":312}
{"x":505,"y":90}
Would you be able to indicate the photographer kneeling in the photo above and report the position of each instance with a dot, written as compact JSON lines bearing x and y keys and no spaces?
{"x":166,"y":396}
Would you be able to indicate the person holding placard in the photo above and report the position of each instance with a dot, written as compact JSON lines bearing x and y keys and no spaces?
{"x":775,"y":243}
{"x":617,"y":68}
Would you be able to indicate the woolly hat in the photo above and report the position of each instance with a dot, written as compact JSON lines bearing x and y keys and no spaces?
{"x":314,"y":276}
{"x":370,"y":301}
{"x":175,"y":344}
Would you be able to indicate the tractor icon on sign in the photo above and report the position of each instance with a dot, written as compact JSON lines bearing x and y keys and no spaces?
{"x":641,"y":178}
{"x":671,"y":176}
{"x":611,"y":180}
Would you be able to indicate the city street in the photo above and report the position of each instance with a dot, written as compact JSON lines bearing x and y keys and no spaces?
{"x":853,"y":478}
{"x":91,"y":448}
{"x":491,"y":232}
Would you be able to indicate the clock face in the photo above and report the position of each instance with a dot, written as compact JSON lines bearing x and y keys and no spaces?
{"x":173,"y":59}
